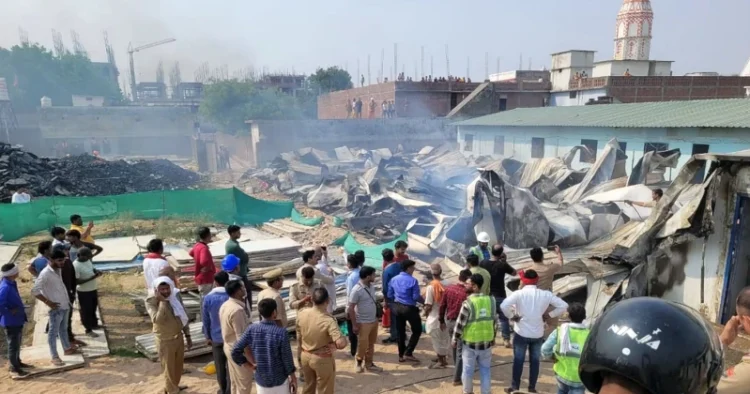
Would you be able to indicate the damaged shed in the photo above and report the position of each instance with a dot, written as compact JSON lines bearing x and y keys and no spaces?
{"x":693,"y":127}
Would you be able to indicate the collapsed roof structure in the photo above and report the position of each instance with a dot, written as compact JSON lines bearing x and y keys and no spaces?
{"x":612,"y":248}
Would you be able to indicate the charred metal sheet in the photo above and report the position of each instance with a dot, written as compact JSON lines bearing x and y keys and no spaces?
{"x":650,"y":168}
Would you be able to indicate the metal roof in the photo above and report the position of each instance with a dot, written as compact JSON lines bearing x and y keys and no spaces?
{"x":726,"y":113}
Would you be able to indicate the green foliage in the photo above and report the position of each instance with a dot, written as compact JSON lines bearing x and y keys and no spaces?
{"x":230,"y":103}
{"x":32,"y":71}
{"x":330,"y":80}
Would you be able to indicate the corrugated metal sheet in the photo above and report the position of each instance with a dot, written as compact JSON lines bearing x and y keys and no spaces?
{"x":726,"y":113}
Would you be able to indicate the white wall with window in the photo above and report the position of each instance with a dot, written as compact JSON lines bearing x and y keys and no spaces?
{"x":527,"y":143}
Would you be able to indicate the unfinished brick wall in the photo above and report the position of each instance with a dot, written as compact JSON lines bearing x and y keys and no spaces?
{"x":333,"y":105}
{"x":650,"y":89}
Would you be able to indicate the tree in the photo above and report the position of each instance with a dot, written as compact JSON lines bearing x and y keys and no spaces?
{"x":229,"y":103}
{"x":32,"y":72}
{"x":330,"y":80}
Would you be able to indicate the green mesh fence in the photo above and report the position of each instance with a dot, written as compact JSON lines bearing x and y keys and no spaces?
{"x":373,"y":254}
{"x":219,"y":205}
{"x":305,"y":221}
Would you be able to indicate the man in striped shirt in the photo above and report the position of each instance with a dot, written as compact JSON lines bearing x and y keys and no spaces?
{"x":266,"y":345}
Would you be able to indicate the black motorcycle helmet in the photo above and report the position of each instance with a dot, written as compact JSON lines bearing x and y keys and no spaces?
{"x":662,"y":346}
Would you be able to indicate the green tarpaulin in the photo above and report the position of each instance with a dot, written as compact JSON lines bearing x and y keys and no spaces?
{"x":219,"y":205}
{"x":373,"y":254}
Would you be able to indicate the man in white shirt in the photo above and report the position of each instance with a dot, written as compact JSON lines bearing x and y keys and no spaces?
{"x":530,"y":313}
{"x":50,"y":289}
{"x":155,"y":266}
{"x":325,"y":270}
{"x":20,"y":196}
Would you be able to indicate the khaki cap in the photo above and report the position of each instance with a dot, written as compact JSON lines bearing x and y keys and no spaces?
{"x":273,"y":274}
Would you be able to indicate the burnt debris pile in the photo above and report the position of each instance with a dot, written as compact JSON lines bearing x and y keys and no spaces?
{"x":445,"y":197}
{"x":86,"y":175}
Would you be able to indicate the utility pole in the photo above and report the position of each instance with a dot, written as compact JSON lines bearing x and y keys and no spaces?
{"x":395,"y":60}
{"x":382,"y":64}
{"x":529,"y":64}
{"x":358,"y":74}
{"x":447,"y":62}
{"x":422,"y":62}
{"x":487,"y":65}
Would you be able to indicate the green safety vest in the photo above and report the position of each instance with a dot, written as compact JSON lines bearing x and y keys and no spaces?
{"x":481,"y":324}
{"x":566,"y":366}
{"x":476,"y":250}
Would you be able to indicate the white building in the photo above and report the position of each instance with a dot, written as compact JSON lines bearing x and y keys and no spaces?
{"x":88,"y":101}
{"x":694,"y":127}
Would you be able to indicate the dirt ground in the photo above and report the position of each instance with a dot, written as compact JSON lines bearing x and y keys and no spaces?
{"x":126,"y":375}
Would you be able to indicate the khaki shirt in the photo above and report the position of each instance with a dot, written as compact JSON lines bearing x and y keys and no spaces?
{"x":298,"y":291}
{"x":326,"y":280}
{"x":317,"y":329}
{"x":233,"y":320}
{"x":736,"y":379}
{"x":485,"y":289}
{"x":280,"y":307}
{"x":546,"y":274}
{"x":167,"y":325}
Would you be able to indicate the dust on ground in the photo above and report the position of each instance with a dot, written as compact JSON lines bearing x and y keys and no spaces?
{"x":123,"y":375}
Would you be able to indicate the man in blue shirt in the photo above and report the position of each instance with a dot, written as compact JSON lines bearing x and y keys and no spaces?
{"x":390,"y":270}
{"x":212,"y":328}
{"x":354,"y":262}
{"x":268,"y":344}
{"x":404,"y":290}
{"x":12,"y":318}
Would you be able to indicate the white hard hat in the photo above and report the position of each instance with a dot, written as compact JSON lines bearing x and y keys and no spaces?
{"x":483,"y":237}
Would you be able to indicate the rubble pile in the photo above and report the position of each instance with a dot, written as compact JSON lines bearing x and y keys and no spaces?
{"x":443,"y":198}
{"x":86,"y":175}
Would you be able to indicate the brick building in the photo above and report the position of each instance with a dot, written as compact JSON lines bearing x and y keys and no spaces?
{"x":621,"y":89}
{"x":435,"y":99}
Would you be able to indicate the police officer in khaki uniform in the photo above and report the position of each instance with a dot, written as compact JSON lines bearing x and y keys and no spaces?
{"x":736,"y":379}
{"x":319,"y":338}
{"x":274,"y":280}
{"x":300,"y":297}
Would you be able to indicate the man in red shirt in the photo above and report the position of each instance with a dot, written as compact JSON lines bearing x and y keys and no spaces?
{"x":205,"y":269}
{"x":400,"y":249}
{"x":450,"y":307}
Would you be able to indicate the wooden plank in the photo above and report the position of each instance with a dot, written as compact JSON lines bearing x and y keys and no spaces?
{"x":8,"y":251}
{"x":95,"y":347}
{"x":39,"y":357}
{"x":146,"y":344}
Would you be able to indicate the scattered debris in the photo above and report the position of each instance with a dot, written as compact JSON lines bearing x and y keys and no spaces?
{"x":86,"y":175}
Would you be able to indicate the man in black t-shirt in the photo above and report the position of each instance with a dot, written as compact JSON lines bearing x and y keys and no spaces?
{"x":498,"y":267}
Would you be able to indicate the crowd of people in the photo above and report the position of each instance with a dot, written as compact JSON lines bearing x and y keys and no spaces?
{"x":636,"y":347}
{"x":63,"y":272}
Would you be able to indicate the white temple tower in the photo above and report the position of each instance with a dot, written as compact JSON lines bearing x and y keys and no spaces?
{"x":633,"y":34}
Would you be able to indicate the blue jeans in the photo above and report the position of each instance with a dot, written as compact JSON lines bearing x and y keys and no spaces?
{"x":563,"y":388}
{"x":58,"y":327}
{"x":14,"y":335}
{"x":470,"y":358}
{"x":520,"y":344}
{"x":394,"y":332}
{"x":504,"y":323}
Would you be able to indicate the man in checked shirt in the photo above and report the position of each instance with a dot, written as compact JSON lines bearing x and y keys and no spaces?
{"x":450,"y":307}
{"x":475,"y":328}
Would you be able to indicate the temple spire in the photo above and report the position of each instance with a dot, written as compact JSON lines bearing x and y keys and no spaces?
{"x":633,"y":30}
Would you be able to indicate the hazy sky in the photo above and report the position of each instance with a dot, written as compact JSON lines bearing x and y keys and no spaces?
{"x":300,"y":35}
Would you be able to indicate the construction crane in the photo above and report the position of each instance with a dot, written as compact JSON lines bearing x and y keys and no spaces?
{"x":131,"y":51}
